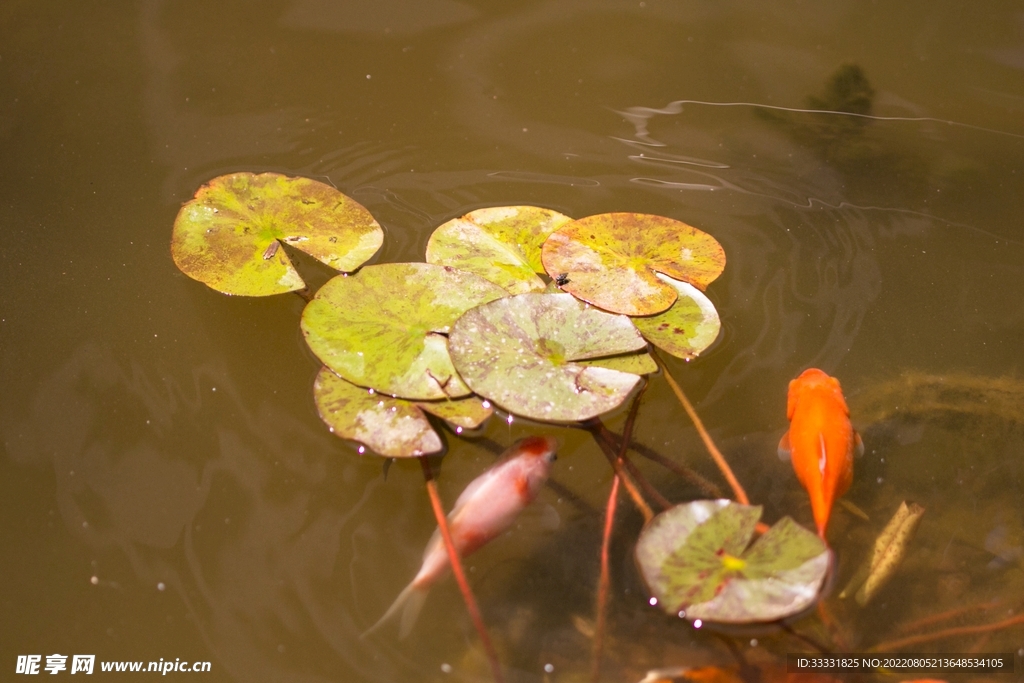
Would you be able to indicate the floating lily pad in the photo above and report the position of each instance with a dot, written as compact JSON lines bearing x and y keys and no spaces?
{"x":695,"y":560}
{"x":229,"y":235}
{"x":500,"y":243}
{"x":520,"y":353}
{"x":687,"y":328}
{"x":637,"y":363}
{"x":462,"y":413}
{"x":384,"y":326}
{"x":611,"y":259}
{"x":387,"y":426}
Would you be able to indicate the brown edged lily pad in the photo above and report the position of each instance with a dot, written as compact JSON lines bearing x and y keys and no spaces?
{"x":611,"y":260}
{"x":687,"y":328}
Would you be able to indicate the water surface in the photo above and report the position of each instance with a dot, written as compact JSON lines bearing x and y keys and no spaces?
{"x":168,"y":489}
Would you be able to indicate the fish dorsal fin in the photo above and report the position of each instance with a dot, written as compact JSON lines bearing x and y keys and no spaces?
{"x":822,"y":455}
{"x":785,"y":450}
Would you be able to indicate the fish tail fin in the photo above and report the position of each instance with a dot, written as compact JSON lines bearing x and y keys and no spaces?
{"x":407,"y":606}
{"x":821,"y":517}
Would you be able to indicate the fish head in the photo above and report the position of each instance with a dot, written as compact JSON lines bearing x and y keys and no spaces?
{"x":537,"y":447}
{"x":816,"y":382}
{"x":534,"y":455}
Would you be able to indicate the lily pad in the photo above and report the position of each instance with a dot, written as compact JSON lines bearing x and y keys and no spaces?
{"x":229,"y":235}
{"x":500,"y":243}
{"x":387,"y":426}
{"x":520,"y":352}
{"x":637,"y":363}
{"x":462,"y":413}
{"x":695,"y":561}
{"x":392,"y":427}
{"x":687,"y":328}
{"x":384,"y":326}
{"x":610,"y":260}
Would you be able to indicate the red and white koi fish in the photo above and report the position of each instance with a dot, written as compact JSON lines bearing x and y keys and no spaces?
{"x":820,"y":441}
{"x":484,"y":510}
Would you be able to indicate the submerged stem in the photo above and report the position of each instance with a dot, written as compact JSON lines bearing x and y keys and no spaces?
{"x":604,"y":582}
{"x":716,"y":455}
{"x":603,"y":439}
{"x":707,"y":488}
{"x":460,"y":574}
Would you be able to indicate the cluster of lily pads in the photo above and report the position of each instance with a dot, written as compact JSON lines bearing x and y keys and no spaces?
{"x":518,"y":307}
{"x":474,"y":326}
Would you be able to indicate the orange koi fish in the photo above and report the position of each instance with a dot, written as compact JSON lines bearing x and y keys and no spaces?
{"x":484,"y":510}
{"x":820,"y":441}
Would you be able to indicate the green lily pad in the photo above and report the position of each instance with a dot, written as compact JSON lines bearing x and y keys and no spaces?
{"x":687,"y":328}
{"x":392,"y":427}
{"x":461,"y":413}
{"x":229,"y":235}
{"x":501,"y":244}
{"x":520,"y":353}
{"x":637,"y":363}
{"x":611,"y":259}
{"x":384,"y":326}
{"x":387,"y":426}
{"x":695,"y":561}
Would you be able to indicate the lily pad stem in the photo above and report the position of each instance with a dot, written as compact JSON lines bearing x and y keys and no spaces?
{"x":604,"y":582}
{"x":603,"y":439}
{"x":716,"y":455}
{"x":649,"y":490}
{"x":460,"y":574}
{"x":707,"y":488}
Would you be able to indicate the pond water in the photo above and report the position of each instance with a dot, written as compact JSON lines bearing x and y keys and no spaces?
{"x":168,"y":488}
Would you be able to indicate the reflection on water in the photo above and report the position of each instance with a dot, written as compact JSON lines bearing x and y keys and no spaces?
{"x":168,"y":488}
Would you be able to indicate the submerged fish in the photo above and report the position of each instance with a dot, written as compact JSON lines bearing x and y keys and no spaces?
{"x":820,"y":441}
{"x":484,"y":510}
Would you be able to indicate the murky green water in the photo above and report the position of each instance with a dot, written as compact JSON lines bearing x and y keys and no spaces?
{"x":168,"y":489}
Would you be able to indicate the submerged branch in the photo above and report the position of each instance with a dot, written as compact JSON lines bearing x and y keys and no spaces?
{"x":460,"y":574}
{"x":948,"y":615}
{"x":893,"y":645}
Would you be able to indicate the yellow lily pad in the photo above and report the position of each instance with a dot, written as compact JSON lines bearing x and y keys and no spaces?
{"x":500,"y":243}
{"x":229,"y":235}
